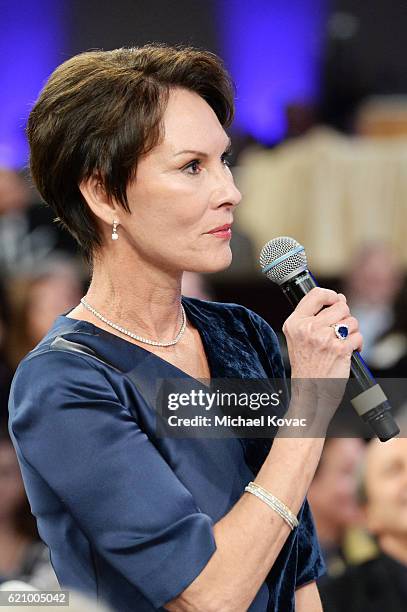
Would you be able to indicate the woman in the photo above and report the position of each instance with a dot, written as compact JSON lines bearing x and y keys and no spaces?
{"x":129,"y":148}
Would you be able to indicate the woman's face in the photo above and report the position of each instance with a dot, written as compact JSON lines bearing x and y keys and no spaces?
{"x":183,"y":190}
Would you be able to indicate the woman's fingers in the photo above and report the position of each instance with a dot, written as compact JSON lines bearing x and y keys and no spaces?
{"x":315,"y":300}
{"x":333,"y":314}
{"x":354,"y":342}
{"x":351,"y":323}
{"x":313,"y":347}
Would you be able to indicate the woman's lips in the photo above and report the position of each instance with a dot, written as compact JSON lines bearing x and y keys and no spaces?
{"x":225,"y":231}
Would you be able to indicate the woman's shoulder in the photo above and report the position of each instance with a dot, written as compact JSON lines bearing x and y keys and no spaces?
{"x":55,"y":381}
{"x":64,"y":355}
{"x":71,"y":345}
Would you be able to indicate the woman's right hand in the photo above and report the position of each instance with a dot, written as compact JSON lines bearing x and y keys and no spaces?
{"x":313,"y":348}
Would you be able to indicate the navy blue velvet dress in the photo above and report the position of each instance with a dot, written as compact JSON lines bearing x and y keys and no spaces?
{"x":128,"y":516}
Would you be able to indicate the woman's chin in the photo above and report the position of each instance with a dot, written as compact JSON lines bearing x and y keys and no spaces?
{"x":209,"y":265}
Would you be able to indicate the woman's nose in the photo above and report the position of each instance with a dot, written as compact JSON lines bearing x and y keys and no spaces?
{"x":226,"y":192}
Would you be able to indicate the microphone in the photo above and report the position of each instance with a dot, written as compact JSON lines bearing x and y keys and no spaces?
{"x":284,"y":262}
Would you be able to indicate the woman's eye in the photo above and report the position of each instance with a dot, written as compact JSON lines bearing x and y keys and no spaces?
{"x":193,"y":167}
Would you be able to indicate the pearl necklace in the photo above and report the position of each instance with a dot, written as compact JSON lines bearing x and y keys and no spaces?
{"x":136,"y":336}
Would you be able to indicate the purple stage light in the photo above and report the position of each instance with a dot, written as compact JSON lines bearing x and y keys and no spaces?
{"x":273,"y":50}
{"x":31,"y":46}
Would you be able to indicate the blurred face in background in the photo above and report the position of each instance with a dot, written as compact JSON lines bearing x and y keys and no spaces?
{"x":35,"y":302}
{"x":14,"y":195}
{"x":12,"y":492}
{"x":333,"y":491}
{"x":49,"y":297}
{"x":386,"y":488}
{"x":375,"y":278}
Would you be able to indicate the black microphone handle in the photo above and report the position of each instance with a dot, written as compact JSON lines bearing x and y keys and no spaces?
{"x":371,"y":403}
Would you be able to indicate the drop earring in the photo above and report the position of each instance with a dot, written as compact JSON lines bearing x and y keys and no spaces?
{"x":115,"y":235}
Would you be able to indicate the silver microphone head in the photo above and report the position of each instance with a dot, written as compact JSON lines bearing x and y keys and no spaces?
{"x":282,"y":258}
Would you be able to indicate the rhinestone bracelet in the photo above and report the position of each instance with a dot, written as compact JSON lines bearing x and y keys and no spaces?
{"x":274,"y":503}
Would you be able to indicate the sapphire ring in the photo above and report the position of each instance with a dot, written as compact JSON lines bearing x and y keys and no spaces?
{"x":341,"y":331}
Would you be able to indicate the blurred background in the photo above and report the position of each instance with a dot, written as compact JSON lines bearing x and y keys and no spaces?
{"x":320,"y":154}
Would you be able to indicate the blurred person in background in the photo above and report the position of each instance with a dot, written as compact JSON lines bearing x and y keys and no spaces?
{"x":22,"y":554}
{"x":6,"y":371}
{"x":380,"y":583}
{"x":196,"y":285}
{"x":371,"y":287}
{"x":388,"y":358}
{"x":333,"y":500}
{"x":36,"y":300}
{"x":28,"y":235}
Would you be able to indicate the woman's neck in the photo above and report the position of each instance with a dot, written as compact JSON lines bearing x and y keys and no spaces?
{"x":137,"y":296}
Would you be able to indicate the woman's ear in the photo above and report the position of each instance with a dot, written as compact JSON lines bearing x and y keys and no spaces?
{"x":102,"y":206}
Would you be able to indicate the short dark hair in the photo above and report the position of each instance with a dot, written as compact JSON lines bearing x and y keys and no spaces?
{"x":100,"y":111}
